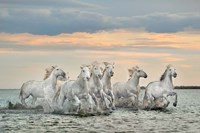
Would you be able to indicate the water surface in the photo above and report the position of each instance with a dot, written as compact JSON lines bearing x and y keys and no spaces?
{"x":184,"y":118}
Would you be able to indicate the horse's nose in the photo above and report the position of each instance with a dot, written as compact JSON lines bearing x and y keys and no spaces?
{"x":175,"y":75}
{"x":64,"y":74}
{"x":111,"y":73}
{"x":145,"y":76}
{"x":88,"y":78}
{"x":99,"y":75}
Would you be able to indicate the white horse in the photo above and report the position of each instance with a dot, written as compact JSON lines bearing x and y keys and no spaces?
{"x":74,"y":91}
{"x":96,"y":85}
{"x":106,"y":80}
{"x":48,"y":87}
{"x":35,"y":89}
{"x":130,"y":89}
{"x":161,"y":90}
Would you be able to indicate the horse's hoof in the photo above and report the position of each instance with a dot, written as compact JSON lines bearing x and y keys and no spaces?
{"x":174,"y":104}
{"x":113,"y":108}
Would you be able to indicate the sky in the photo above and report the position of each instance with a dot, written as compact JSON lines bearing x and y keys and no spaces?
{"x":151,"y":34}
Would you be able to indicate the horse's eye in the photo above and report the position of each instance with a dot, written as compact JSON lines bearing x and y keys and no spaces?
{"x":138,"y":70}
{"x":57,"y":69}
{"x":83,"y":70}
{"x":95,"y":68}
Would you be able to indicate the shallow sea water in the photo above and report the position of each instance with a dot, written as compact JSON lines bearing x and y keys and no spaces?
{"x":183,"y":118}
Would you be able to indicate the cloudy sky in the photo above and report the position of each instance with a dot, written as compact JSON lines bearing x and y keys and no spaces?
{"x":36,"y":34}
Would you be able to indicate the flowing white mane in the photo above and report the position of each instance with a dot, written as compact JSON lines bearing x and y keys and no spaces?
{"x":48,"y":71}
{"x":132,"y":70}
{"x":165,"y":73}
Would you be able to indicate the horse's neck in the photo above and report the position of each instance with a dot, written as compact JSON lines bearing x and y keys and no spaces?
{"x":96,"y":80}
{"x":51,"y":80}
{"x":134,"y":81}
{"x":107,"y":80}
{"x":168,"y":82}
{"x":82,"y":83}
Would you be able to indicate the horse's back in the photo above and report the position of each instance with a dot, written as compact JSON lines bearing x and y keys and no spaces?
{"x":155,"y":89}
{"x":119,"y":89}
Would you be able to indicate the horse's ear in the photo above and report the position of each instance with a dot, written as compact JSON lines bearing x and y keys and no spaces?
{"x":94,"y":63}
{"x":82,"y":66}
{"x":46,"y":69}
{"x":54,"y":66}
{"x":101,"y":69}
{"x":136,"y":67}
{"x":106,"y":63}
{"x":89,"y":66}
{"x":168,"y":66}
{"x":130,"y":72}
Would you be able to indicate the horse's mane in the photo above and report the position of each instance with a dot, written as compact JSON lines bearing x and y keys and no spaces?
{"x":165,"y":73}
{"x":105,"y":63}
{"x":104,"y":70}
{"x":48,"y":72}
{"x":134,"y":69}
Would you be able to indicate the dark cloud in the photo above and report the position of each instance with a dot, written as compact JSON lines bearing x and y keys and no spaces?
{"x":54,"y":17}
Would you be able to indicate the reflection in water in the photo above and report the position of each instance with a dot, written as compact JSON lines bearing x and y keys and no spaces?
{"x":185,"y":117}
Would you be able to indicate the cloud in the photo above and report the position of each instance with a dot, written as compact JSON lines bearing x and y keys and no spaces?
{"x":56,"y":17}
{"x":115,"y":40}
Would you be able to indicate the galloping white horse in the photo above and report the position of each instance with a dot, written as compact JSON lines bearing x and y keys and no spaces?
{"x":40,"y":88}
{"x":106,"y":80}
{"x":131,"y":88}
{"x":161,"y":89}
{"x":96,"y":85}
{"x":35,"y":89}
{"x":75,"y":90}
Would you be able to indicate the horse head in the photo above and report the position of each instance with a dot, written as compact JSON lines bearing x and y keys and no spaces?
{"x":109,"y":68}
{"x":137,"y":71}
{"x":59,"y":72}
{"x":97,"y":69}
{"x":172,"y":71}
{"x":66,"y":78}
{"x":85,"y":72}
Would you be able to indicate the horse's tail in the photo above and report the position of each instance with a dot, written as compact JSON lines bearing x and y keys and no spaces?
{"x":21,"y":91}
{"x":145,"y":100}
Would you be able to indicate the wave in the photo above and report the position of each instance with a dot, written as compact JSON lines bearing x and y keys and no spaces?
{"x":16,"y":106}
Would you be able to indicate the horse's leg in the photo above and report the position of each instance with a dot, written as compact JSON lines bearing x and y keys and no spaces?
{"x":133,"y":97}
{"x":23,"y":101}
{"x":23,"y":98}
{"x":94,"y":98}
{"x":46,"y":106}
{"x":151,"y":101}
{"x":77,"y":104}
{"x":145,"y":101}
{"x":33,"y":101}
{"x":173,"y":94}
{"x":88,"y":98}
{"x":113,"y":99}
{"x":105,"y":97}
{"x":137,"y":100}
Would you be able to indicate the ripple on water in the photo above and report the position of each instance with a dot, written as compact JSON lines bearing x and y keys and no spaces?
{"x":184,"y":118}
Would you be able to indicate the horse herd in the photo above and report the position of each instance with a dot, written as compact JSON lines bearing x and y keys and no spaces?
{"x":93,"y":91}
